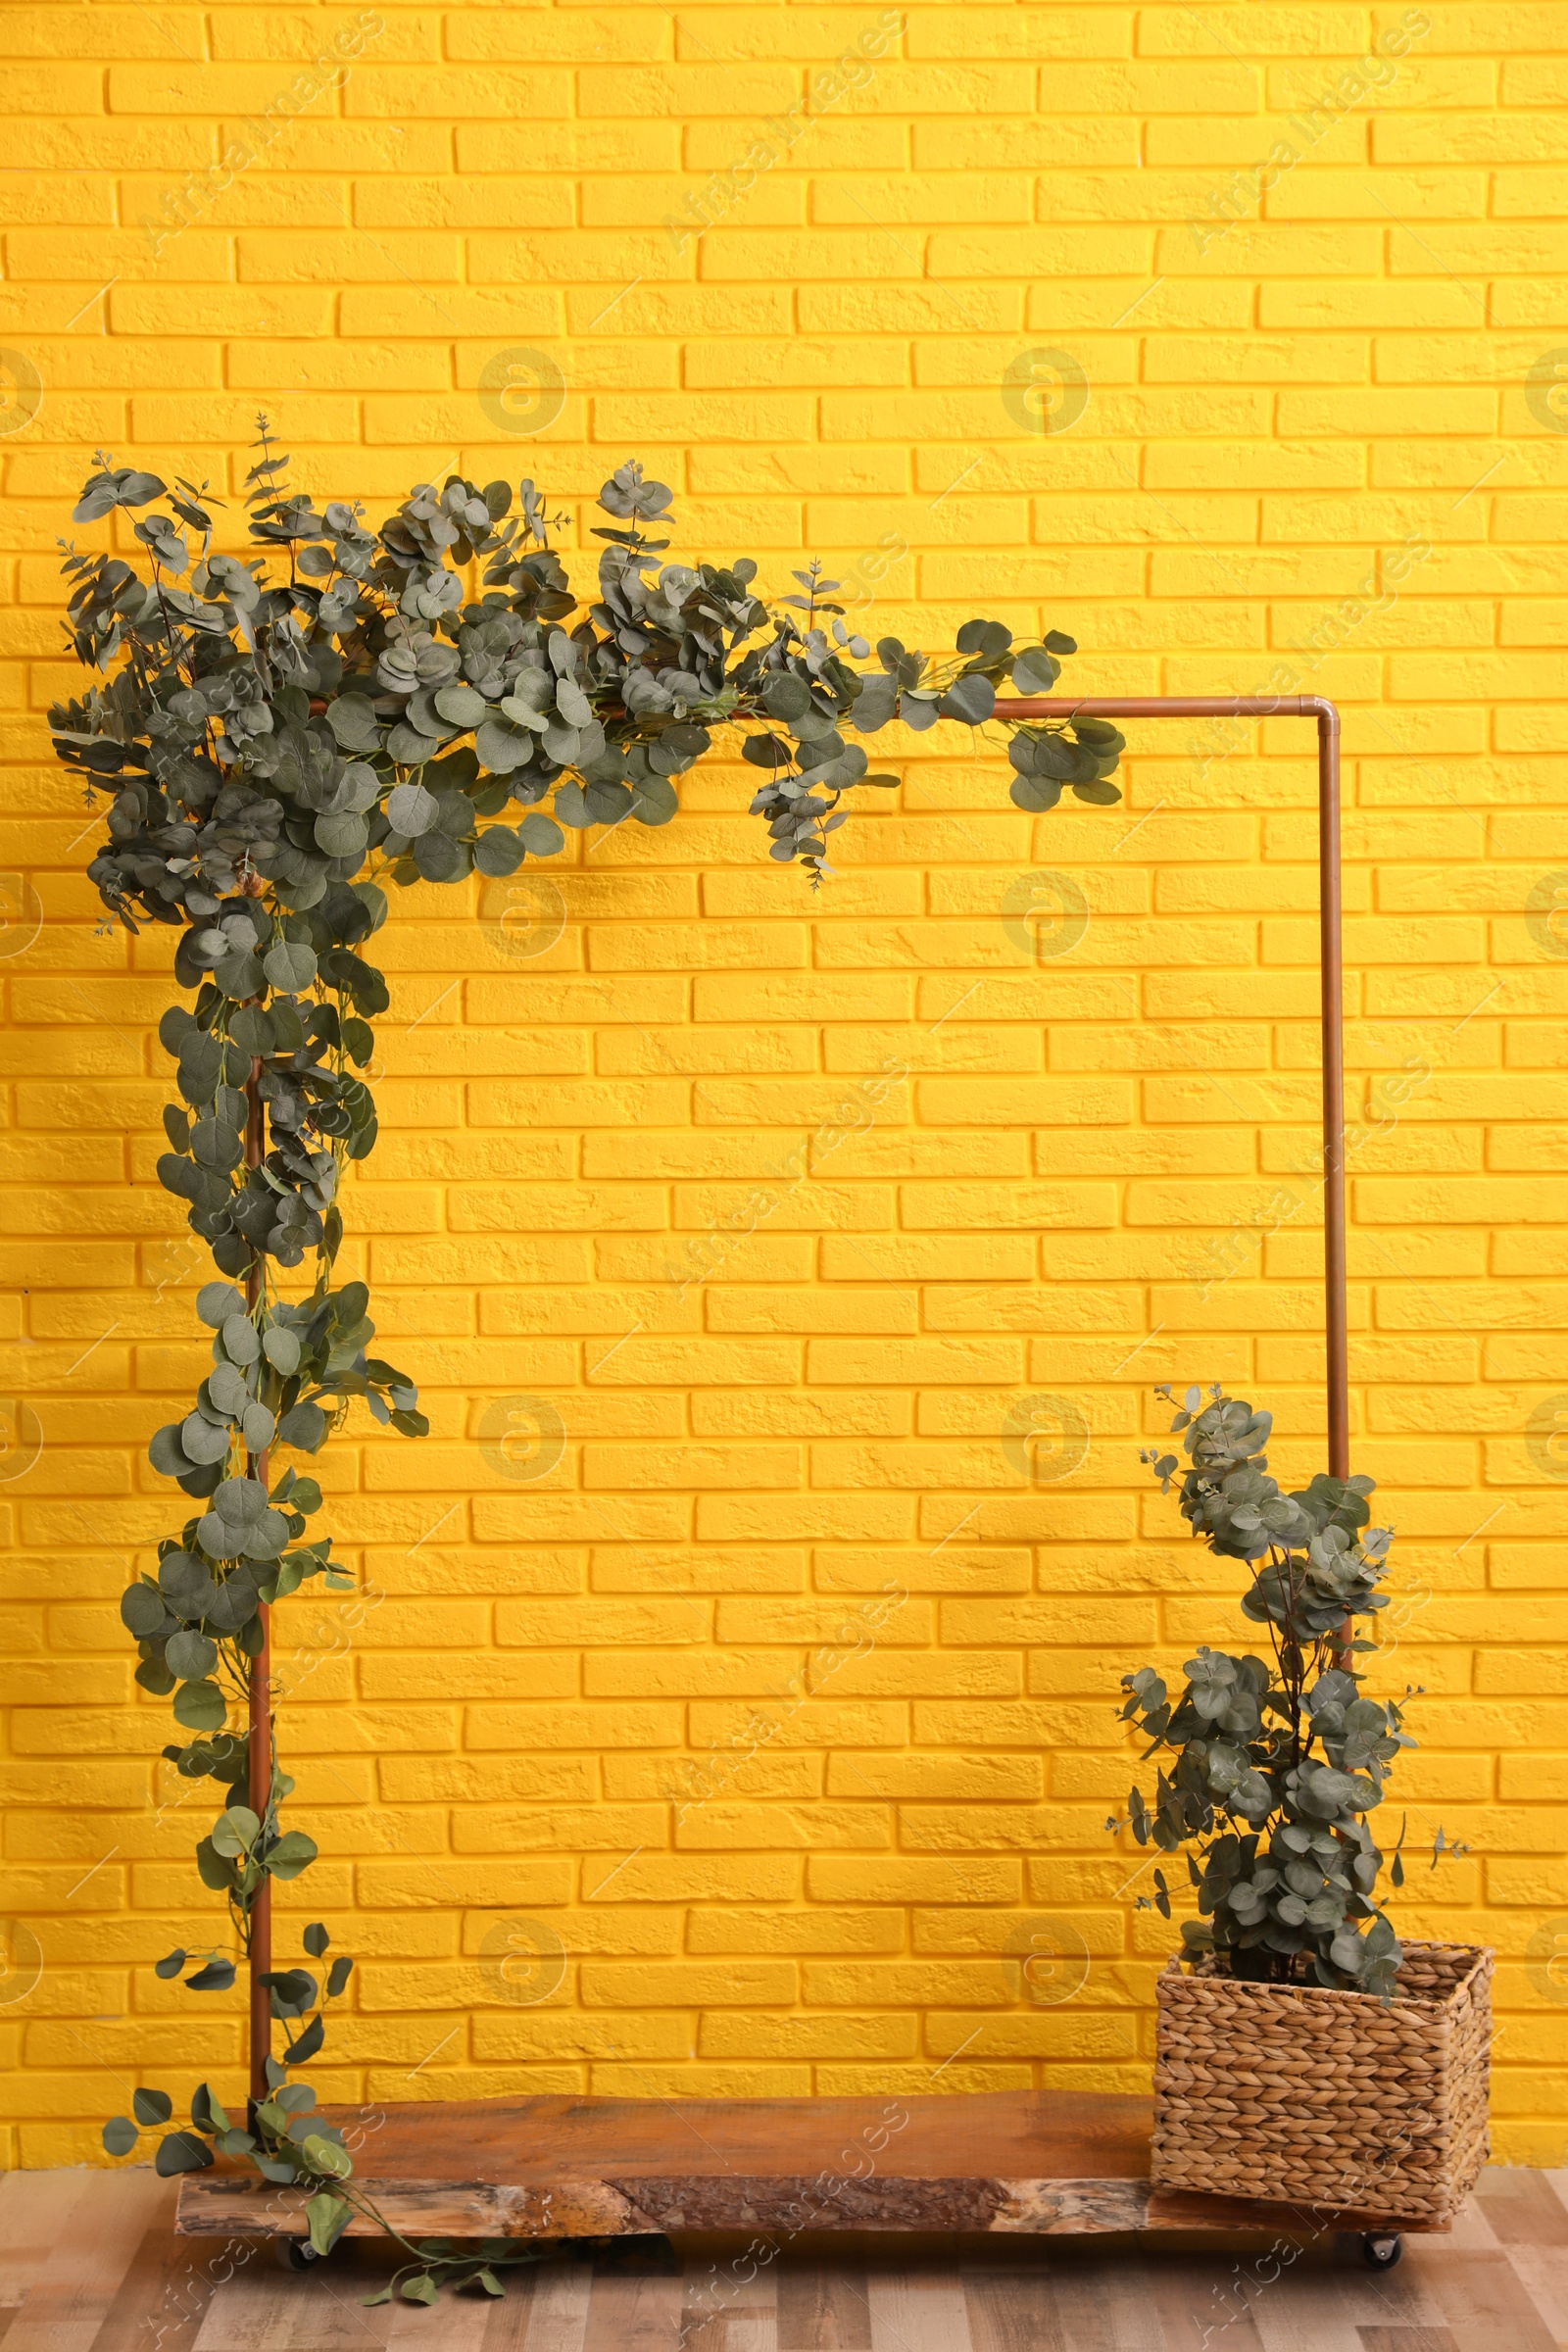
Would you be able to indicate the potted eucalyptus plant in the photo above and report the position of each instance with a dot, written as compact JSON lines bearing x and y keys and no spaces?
{"x":1302,"y":2052}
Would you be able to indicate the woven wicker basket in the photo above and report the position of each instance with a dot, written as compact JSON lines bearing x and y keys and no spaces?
{"x":1294,"y":2094}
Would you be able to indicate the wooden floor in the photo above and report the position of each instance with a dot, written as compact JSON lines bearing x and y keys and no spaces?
{"x":89,"y":2262}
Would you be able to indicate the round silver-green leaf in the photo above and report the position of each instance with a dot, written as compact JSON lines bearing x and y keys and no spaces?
{"x":203,"y":1441}
{"x":304,"y":1427}
{"x":256,"y":1425}
{"x":200,"y":1706}
{"x":241,"y":1342}
{"x":193,"y":1657}
{"x":225,"y":1386}
{"x":540,"y":835}
{"x":498,"y":851}
{"x":281,"y":1348}
{"x":290,"y":965}
{"x":142,"y":1611}
{"x":503,"y":746}
{"x":410,"y":810}
{"x":239,"y":975}
{"x":267,"y":1538}
{"x":166,"y":1453}
{"x":342,"y":836}
{"x":235,"y":1830}
{"x":439,"y":857}
{"x":460,"y":705}
{"x":352,"y":719}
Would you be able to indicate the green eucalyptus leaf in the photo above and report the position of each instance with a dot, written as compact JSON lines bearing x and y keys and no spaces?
{"x":505,"y":744}
{"x":498,"y":851}
{"x":205,"y":2112}
{"x":181,"y":2152}
{"x":341,"y":834}
{"x":238,"y":974}
{"x":1033,"y":671}
{"x":190,"y":1655}
{"x":440,"y":858}
{"x":327,"y":2215}
{"x":412,"y":810}
{"x":203,"y":1441}
{"x":215,"y":1977}
{"x":1034,"y":793}
{"x":290,"y":966}
{"x":460,"y":705}
{"x":257,"y":1427}
{"x":293,"y":1990}
{"x":540,"y":835}
{"x":241,"y":1342}
{"x":281,"y":1348}
{"x":235,"y":1832}
{"x":655,"y":802}
{"x":200,"y":1706}
{"x":300,"y":2052}
{"x":875,"y":705}
{"x":785,"y":696}
{"x":215,"y":1872}
{"x":352,"y":721}
{"x":292,"y":1853}
{"x":167,"y":1454}
{"x":304,"y":1427}
{"x":142,"y":1611}
{"x":216,"y":1301}
{"x":971,"y":699}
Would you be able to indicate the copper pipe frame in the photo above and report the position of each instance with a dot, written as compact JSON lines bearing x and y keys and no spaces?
{"x":1294,"y":706}
{"x":1303,"y":706}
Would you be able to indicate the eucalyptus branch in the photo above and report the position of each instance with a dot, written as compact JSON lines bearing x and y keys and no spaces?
{"x":278,"y":754}
{"x":1280,"y":1857}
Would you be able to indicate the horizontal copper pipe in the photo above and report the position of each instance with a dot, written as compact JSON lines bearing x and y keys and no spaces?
{"x":1158,"y":705}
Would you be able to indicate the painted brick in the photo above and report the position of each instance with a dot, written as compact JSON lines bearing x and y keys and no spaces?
{"x":631,"y":1176}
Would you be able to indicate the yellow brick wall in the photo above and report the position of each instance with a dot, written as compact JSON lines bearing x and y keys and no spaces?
{"x":764,"y":1853}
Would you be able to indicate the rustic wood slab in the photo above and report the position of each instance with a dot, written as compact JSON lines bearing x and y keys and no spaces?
{"x":1033,"y":2163}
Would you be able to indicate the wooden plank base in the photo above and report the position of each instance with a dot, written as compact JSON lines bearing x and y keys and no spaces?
{"x":1029,"y":2163}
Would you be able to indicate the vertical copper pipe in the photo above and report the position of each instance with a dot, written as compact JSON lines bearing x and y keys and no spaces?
{"x":260,"y":1753}
{"x":1332,"y":1015}
{"x":1332,"y":975}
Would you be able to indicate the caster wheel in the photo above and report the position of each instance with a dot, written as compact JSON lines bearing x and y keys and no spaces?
{"x":297,"y":2254}
{"x":1381,"y":2253}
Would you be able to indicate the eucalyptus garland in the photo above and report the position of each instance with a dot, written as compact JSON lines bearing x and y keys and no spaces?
{"x":417,"y":703}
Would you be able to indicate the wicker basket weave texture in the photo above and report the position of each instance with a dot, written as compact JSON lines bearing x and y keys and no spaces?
{"x":1300,"y":2095}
